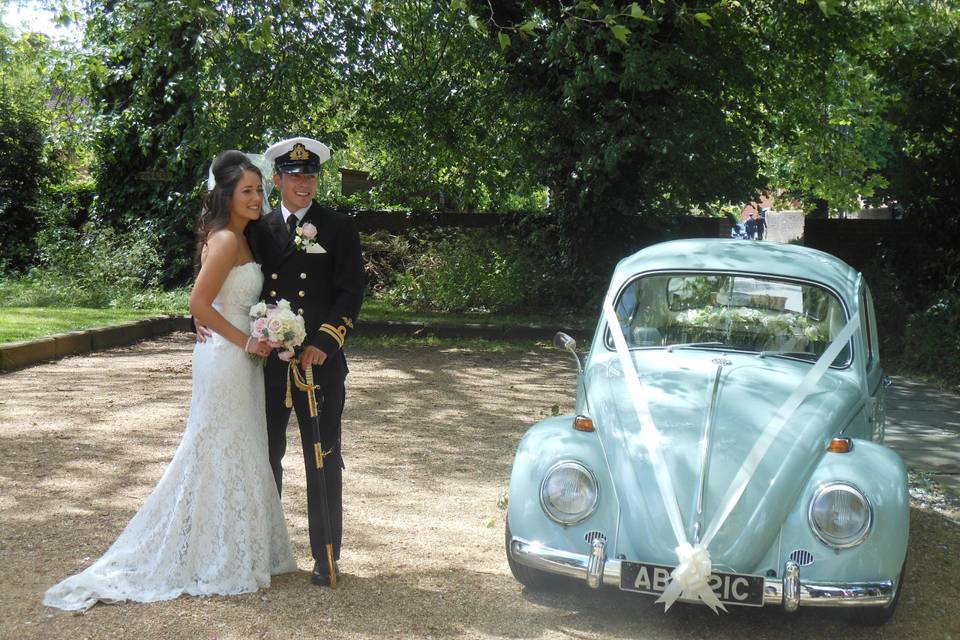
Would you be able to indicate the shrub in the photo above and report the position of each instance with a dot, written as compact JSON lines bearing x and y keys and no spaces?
{"x":932,"y":340}
{"x":385,"y":257}
{"x":23,"y":172}
{"x":465,"y":271}
{"x":95,"y":266}
{"x":890,"y":293}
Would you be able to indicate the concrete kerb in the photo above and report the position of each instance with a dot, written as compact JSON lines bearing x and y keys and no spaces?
{"x":21,"y":354}
{"x":15,"y":355}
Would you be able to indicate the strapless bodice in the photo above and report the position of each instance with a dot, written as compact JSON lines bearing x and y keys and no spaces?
{"x":240,"y":291}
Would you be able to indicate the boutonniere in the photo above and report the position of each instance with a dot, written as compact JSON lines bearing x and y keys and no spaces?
{"x":305,"y":239}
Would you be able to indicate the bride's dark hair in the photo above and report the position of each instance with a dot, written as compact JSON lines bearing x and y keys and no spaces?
{"x":228,"y":168}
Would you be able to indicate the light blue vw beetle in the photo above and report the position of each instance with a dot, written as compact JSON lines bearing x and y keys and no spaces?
{"x":727,"y":446}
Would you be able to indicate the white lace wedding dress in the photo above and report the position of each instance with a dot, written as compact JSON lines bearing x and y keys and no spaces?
{"x":213,"y":524}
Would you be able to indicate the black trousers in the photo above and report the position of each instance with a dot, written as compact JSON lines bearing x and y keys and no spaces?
{"x":278,"y":416}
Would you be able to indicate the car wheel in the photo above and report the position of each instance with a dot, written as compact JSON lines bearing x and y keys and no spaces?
{"x":530,"y":577}
{"x":876,"y":616}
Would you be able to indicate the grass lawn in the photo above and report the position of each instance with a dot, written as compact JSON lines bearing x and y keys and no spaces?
{"x":26,"y":323}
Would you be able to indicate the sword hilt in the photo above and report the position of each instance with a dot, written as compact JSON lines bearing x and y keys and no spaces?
{"x":311,"y":392}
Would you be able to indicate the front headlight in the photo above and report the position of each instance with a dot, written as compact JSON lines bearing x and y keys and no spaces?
{"x":840,"y":515}
{"x":568,"y":493}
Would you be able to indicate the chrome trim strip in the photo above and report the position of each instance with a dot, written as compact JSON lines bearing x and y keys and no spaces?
{"x":811,"y":594}
{"x":705,"y":444}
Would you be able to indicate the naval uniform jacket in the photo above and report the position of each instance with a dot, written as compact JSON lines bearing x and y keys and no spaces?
{"x":325,"y":288}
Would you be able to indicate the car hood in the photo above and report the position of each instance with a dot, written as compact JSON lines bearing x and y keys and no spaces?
{"x":678,"y":388}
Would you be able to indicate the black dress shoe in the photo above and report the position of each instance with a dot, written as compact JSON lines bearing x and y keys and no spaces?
{"x":321,"y":573}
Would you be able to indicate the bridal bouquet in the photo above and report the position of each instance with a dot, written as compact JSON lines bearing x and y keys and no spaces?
{"x":279,"y":326}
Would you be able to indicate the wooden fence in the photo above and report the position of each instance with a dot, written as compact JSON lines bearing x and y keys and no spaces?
{"x":398,"y":222}
{"x":860,"y":242}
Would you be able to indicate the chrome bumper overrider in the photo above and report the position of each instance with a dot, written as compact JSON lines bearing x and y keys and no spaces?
{"x":789,"y":591}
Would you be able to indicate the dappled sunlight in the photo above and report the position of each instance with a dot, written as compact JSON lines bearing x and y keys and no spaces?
{"x":429,"y":437}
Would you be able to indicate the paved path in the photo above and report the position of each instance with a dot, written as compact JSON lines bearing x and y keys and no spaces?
{"x":923,"y":426}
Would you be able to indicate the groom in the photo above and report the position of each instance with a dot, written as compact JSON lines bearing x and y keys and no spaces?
{"x":311,"y":257}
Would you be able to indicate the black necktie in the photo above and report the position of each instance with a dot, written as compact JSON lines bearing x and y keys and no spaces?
{"x":291,"y":223}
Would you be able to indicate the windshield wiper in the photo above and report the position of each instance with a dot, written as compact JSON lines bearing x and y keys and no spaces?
{"x":799,"y":355}
{"x":694,"y":345}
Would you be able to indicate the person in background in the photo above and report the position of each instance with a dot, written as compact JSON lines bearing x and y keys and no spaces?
{"x":751,"y":227}
{"x":761,"y":224}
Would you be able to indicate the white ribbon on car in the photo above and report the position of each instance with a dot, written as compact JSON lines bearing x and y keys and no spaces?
{"x":691,"y":578}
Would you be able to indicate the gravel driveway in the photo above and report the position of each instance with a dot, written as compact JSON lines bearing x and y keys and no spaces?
{"x":429,"y":440}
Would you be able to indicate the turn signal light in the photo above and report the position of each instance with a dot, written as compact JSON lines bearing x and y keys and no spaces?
{"x":840,"y":445}
{"x":583,"y":423}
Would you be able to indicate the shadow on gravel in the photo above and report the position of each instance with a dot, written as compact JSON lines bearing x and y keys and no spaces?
{"x":429,"y":438}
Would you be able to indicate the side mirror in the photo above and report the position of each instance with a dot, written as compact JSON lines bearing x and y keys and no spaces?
{"x":565,"y":342}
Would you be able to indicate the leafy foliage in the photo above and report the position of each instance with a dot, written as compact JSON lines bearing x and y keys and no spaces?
{"x":932,"y":339}
{"x":465,"y":271}
{"x":918,"y":57}
{"x":22,"y":177}
{"x":36,"y":102}
{"x":432,"y":112}
{"x":183,"y":80}
{"x":650,"y":109}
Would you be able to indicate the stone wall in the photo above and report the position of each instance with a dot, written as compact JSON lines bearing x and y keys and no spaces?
{"x":785,"y":226}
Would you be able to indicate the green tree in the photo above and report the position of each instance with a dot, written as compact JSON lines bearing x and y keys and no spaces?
{"x":652,"y":108}
{"x":184,"y":79}
{"x":29,"y":160}
{"x":432,"y":109}
{"x":917,"y":55}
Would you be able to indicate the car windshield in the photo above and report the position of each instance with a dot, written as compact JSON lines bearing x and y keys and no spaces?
{"x":731,"y":312}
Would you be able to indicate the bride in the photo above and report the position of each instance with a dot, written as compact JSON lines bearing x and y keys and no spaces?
{"x":213,"y":524}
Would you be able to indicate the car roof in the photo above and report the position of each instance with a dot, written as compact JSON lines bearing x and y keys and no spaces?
{"x":717,"y":254}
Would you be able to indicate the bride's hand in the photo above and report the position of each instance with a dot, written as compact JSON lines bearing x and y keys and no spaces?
{"x":203,"y":332}
{"x":258,"y":348}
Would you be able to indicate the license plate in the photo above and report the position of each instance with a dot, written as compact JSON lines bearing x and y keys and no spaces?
{"x":730,"y":588}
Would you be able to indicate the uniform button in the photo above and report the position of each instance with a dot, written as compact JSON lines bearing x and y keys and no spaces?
{"x":301,"y":293}
{"x":300,"y":312}
{"x":303,"y":276}
{"x":273,"y":276}
{"x":273,"y":294}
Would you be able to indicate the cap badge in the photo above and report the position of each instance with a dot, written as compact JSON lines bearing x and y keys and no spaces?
{"x":299,"y":152}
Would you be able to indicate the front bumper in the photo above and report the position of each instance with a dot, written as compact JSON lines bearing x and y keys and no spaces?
{"x":790,"y":592}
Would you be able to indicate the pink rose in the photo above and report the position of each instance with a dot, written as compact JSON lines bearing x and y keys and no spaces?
{"x":285,"y":355}
{"x":274,"y":326}
{"x":258,"y":326}
{"x":309,"y":231}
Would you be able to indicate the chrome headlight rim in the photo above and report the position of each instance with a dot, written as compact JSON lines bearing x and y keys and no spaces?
{"x":588,"y":511}
{"x":860,"y":536}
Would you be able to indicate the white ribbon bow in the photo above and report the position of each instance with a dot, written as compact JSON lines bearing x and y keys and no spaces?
{"x":691,"y":578}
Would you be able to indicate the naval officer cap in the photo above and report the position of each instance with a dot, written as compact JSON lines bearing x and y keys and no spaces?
{"x":298,"y":155}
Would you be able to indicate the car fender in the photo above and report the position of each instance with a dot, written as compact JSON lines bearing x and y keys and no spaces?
{"x":545,"y":444}
{"x":879,"y":473}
